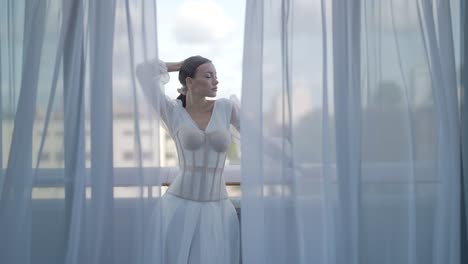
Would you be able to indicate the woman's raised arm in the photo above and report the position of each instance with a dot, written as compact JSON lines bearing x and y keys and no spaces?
{"x":152,"y":75}
{"x":173,"y":66}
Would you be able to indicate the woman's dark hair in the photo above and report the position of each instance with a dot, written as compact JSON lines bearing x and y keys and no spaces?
{"x":188,"y":69}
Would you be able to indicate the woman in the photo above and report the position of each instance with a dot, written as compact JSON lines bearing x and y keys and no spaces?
{"x":200,"y":223}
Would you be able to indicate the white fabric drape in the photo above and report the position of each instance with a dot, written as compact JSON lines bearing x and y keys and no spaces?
{"x":350,"y":132}
{"x":70,"y":107}
{"x":360,"y":99}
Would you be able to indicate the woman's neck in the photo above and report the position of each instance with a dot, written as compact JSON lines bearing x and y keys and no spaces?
{"x":196,"y":103}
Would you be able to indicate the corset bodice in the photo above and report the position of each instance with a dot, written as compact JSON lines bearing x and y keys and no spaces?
{"x":201,"y":161}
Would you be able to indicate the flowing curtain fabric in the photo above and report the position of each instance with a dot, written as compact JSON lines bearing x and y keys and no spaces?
{"x":350,"y":132}
{"x":70,"y":107}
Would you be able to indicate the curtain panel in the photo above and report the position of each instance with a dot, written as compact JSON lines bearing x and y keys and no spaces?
{"x":80,"y":155}
{"x":350,"y":132}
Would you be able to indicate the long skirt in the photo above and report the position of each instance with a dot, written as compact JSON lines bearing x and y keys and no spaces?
{"x":199,"y":232}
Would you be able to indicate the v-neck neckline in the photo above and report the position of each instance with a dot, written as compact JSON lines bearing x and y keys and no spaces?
{"x":195,"y":123}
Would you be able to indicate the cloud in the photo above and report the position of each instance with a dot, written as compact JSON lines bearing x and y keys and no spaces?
{"x":202,"y":21}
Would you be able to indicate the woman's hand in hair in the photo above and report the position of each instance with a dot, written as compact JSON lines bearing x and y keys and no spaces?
{"x":173,"y":66}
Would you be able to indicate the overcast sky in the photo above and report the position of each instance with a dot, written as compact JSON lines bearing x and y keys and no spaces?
{"x":213,"y":29}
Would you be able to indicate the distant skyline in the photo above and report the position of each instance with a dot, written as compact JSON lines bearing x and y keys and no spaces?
{"x":210,"y":28}
{"x":215,"y":28}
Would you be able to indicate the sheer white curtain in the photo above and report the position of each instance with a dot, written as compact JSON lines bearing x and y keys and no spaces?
{"x":358,"y":101}
{"x":80,"y":154}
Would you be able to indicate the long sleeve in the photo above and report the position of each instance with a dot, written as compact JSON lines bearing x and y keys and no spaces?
{"x":152,"y":76}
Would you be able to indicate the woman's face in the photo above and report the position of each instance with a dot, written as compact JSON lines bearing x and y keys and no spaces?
{"x":205,"y":81}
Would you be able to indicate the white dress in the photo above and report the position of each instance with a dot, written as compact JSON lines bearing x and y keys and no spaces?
{"x":200,"y":223}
